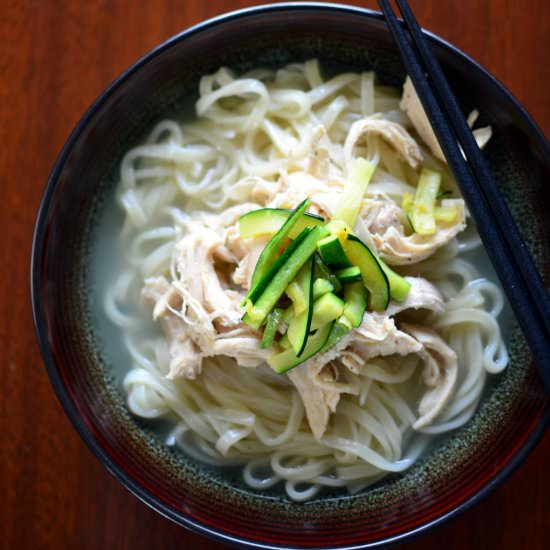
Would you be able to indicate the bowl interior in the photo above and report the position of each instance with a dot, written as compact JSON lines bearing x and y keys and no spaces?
{"x":81,"y":360}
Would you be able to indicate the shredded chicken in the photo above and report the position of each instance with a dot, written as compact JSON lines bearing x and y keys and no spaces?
{"x":318,"y":159}
{"x":245,"y":269}
{"x":481,"y":135}
{"x":185,"y":356}
{"x":392,"y":132}
{"x":422,"y":295}
{"x":376,"y":336}
{"x":199,"y":310}
{"x":440,"y":373}
{"x":193,"y":256}
{"x":161,"y":296}
{"x":386,"y":226}
{"x":410,"y":103}
{"x":317,"y":410}
{"x":298,"y":186}
{"x":243,"y":346}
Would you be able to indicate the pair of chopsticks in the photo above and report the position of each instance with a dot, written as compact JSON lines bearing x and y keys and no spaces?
{"x":509,"y":255}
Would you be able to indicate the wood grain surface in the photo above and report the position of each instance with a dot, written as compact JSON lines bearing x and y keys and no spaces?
{"x":56,"y":56}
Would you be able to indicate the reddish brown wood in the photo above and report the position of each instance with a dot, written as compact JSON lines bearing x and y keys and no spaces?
{"x":55,"y":57}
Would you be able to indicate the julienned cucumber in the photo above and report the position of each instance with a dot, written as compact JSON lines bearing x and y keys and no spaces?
{"x":355,"y":302}
{"x":399,"y":287}
{"x":325,"y":309}
{"x":296,"y":293}
{"x":322,"y":271}
{"x":349,"y":274}
{"x":422,"y":210}
{"x":271,"y":326}
{"x":266,"y":221}
{"x":352,"y":198}
{"x":260,"y":309}
{"x":273,"y":247}
{"x":299,"y":327}
{"x":373,"y":275}
{"x":312,"y":262}
{"x":331,"y":251}
{"x":261,"y":285}
{"x":339,"y":329}
{"x":286,"y":360}
{"x":321,"y":286}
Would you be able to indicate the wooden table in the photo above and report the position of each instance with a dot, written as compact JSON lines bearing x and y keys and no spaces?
{"x":56,"y":56}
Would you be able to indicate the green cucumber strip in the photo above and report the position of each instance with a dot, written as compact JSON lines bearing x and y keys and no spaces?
{"x":406,"y":202}
{"x":349,"y":274}
{"x":285,"y":273}
{"x":320,"y":287}
{"x":288,"y":314}
{"x":332,"y":252}
{"x":271,"y":326}
{"x":355,"y":302}
{"x":298,"y":328}
{"x":399,"y":287}
{"x":258,"y":289}
{"x":338,"y":330}
{"x":284,"y":342}
{"x":286,"y":360}
{"x":326,"y":309}
{"x":374,"y":277}
{"x":421,"y":213}
{"x":295,"y":292}
{"x":323,"y":272}
{"x":445,"y":214}
{"x":272,"y":248}
{"x":350,"y":202}
{"x":266,"y":221}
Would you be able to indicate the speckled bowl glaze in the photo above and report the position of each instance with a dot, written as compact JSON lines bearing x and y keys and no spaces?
{"x":460,"y":470}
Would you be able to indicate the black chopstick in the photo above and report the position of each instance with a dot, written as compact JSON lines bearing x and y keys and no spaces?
{"x":520,"y":279}
{"x":500,"y":210}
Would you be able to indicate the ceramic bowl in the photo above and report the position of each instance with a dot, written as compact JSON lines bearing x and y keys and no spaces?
{"x":460,"y":470}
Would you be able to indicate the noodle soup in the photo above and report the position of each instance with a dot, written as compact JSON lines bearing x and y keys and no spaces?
{"x":267,"y":139}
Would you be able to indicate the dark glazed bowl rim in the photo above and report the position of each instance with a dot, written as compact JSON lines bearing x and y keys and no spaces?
{"x":36,"y":284}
